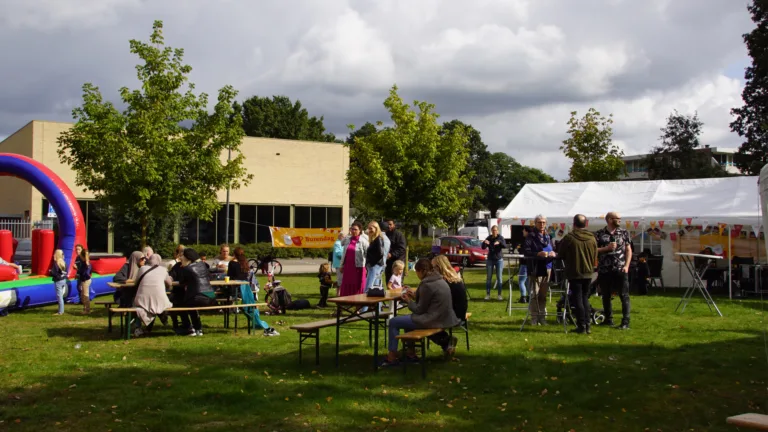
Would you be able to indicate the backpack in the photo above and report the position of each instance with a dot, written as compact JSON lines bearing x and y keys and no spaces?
{"x":279,"y":299}
{"x":254,"y":283}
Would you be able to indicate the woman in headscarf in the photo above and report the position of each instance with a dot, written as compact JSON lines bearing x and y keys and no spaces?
{"x":128,"y":273}
{"x":151,"y":299}
{"x":353,"y":261}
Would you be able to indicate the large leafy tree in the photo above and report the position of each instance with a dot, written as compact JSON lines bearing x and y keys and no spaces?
{"x":278,"y":117}
{"x":679,"y":156}
{"x":410,"y":171}
{"x":477,"y":160}
{"x":504,"y":179}
{"x":142,"y":162}
{"x":751,"y":121}
{"x":590,"y":147}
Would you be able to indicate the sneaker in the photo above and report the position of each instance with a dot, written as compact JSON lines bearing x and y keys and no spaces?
{"x":499,"y":298}
{"x":623,"y":326}
{"x":487,"y":296}
{"x":271,"y":332}
{"x":198,"y":332}
{"x":192,"y":333}
{"x":163,"y":318}
{"x":138,"y":332}
{"x":606,"y":323}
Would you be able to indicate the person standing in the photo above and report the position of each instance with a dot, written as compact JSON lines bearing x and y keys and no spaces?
{"x":539,"y":244}
{"x":614,"y":247}
{"x":396,"y":248}
{"x":338,"y":251}
{"x":84,"y":269}
{"x":374,"y":257}
{"x":353,"y":261}
{"x":495,"y":262}
{"x":578,"y":250}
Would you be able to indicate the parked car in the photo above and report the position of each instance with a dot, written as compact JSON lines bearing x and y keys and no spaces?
{"x":23,"y":254}
{"x":475,"y":252}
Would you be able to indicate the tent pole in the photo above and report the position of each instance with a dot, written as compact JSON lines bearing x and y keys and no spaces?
{"x":642,"y":238}
{"x":730,"y":266}
{"x":679,"y":262}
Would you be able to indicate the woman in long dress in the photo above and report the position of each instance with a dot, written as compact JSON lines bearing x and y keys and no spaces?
{"x":353,"y":261}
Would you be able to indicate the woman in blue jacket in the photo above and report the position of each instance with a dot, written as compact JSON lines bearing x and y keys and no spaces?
{"x":338,"y":250}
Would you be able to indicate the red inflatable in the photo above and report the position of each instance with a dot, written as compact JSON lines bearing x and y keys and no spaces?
{"x":42,"y":251}
{"x":35,"y":241}
{"x":105,"y":266}
{"x":8,"y":273}
{"x":6,"y":245}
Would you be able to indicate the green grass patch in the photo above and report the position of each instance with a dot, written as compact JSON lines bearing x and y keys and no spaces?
{"x":669,"y":372}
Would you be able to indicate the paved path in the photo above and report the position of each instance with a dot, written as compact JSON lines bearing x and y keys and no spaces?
{"x":301,"y":265}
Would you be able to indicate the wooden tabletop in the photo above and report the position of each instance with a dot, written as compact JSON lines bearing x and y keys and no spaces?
{"x":117,"y":285}
{"x":365,"y":300}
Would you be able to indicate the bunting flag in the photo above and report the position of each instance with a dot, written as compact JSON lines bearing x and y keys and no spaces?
{"x":636,"y":224}
{"x":522,"y":222}
{"x":587,"y":226}
{"x":673,"y":236}
{"x":737,"y":229}
{"x":653,"y":224}
{"x":661,"y":224}
{"x":689,"y":220}
{"x":627,"y":224}
{"x":530,"y":222}
{"x":704,"y":225}
{"x":756,"y":229}
{"x":562,"y":225}
{"x":721,"y":227}
{"x":554,"y":226}
{"x":679,"y":223}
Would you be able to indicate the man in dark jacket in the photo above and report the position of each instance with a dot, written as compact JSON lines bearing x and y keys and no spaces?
{"x":578,"y":250}
{"x":396,"y":248}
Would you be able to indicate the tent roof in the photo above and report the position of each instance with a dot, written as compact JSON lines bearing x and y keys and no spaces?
{"x":728,"y":200}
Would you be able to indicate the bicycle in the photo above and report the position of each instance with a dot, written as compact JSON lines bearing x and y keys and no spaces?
{"x":267,"y":264}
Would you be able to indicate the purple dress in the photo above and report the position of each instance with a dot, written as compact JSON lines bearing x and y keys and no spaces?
{"x":353,"y":279}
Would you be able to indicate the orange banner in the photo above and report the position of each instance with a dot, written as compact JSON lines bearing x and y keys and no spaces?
{"x":313,"y":238}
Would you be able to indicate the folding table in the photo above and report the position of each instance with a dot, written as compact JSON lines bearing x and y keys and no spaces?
{"x":698,"y":282}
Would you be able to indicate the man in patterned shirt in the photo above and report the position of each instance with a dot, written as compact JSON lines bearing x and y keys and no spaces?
{"x":614,"y":248}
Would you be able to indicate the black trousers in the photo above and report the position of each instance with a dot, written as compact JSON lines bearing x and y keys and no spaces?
{"x":324,"y":295}
{"x":124,"y":296}
{"x":443,"y":339}
{"x":197,"y":301}
{"x":580,"y":297}
{"x":615,"y":281}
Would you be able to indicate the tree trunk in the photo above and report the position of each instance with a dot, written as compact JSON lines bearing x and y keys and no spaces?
{"x":144,"y":223}
{"x":493,"y":211}
{"x":419,"y":231}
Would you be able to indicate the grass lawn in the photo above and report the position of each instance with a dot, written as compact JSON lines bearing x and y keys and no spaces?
{"x":669,"y":372}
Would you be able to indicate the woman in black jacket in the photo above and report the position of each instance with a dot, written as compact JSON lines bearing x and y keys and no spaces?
{"x":495,"y":245}
{"x":374,"y":257}
{"x":197,"y":291}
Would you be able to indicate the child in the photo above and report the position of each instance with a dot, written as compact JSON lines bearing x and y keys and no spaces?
{"x":396,"y":281}
{"x":84,"y":279}
{"x":59,"y":274}
{"x":326,"y":282}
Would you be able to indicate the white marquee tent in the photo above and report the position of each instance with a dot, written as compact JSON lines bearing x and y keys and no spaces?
{"x":707,"y":202}
{"x":763,"y":183}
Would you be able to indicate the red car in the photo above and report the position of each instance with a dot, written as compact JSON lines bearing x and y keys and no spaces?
{"x":474,"y":252}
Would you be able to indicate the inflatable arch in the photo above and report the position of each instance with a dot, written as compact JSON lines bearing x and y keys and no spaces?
{"x":71,"y":222}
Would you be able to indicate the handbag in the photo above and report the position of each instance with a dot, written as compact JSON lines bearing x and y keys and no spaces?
{"x":376,"y":289}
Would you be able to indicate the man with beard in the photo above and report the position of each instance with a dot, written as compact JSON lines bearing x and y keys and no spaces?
{"x":614,"y":247}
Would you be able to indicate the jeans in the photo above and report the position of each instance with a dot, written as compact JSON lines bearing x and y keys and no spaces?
{"x":373,"y":275}
{"x":580,"y":297}
{"x":489,"y":267}
{"x":522,"y":280}
{"x":404,"y":322}
{"x":538,"y":303}
{"x":61,"y":291}
{"x":615,"y":281}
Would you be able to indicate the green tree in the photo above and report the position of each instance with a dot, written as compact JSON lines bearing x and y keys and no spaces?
{"x":278,"y":117}
{"x":504,"y":179}
{"x":477,"y":160}
{"x":141,"y":162}
{"x":751,"y":121}
{"x":679,"y":156}
{"x":590,"y":147}
{"x":366,"y":130}
{"x":410,"y":171}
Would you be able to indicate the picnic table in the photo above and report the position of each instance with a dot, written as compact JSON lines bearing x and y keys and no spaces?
{"x":215,"y":283}
{"x":353,"y":305}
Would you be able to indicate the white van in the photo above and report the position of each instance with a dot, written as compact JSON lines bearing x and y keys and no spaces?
{"x":479,"y":229}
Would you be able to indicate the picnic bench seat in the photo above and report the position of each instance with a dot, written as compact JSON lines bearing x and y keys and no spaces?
{"x":750,"y":421}
{"x":463,"y":326}
{"x":311,"y":330}
{"x":109,"y":303}
{"x":125,"y":314}
{"x":418,"y":338}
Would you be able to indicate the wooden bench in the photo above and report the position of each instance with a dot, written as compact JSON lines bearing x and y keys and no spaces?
{"x":311,"y":330}
{"x":750,"y":421}
{"x":109,"y":303}
{"x":418,"y":339}
{"x":463,"y":325}
{"x":126,"y":313}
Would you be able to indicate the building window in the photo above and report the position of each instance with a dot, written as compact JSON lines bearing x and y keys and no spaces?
{"x":221,"y":220}
{"x":302,"y":217}
{"x":334,"y":217}
{"x":317,"y":217}
{"x":96,"y":232}
{"x":247,"y":224}
{"x":206,"y":231}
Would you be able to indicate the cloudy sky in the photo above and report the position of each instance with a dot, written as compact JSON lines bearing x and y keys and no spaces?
{"x":514,"y":69}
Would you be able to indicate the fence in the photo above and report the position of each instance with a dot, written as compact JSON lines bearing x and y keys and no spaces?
{"x":22,"y":228}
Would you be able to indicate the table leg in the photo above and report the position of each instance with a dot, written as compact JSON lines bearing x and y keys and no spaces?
{"x":338,"y":325}
{"x":376,"y":338}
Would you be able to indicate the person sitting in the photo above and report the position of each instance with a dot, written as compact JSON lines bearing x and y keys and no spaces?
{"x":204,"y":259}
{"x":194,"y":279}
{"x":221,"y":262}
{"x":396,"y":281}
{"x":127,"y":274}
{"x":431,"y":305}
{"x":237,"y":270}
{"x":458,"y":300}
{"x":151,"y":300}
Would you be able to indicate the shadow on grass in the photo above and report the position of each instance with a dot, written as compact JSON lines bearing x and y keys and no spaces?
{"x":573,"y":385}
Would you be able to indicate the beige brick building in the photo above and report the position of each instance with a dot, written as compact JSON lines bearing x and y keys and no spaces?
{"x":296,"y":183}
